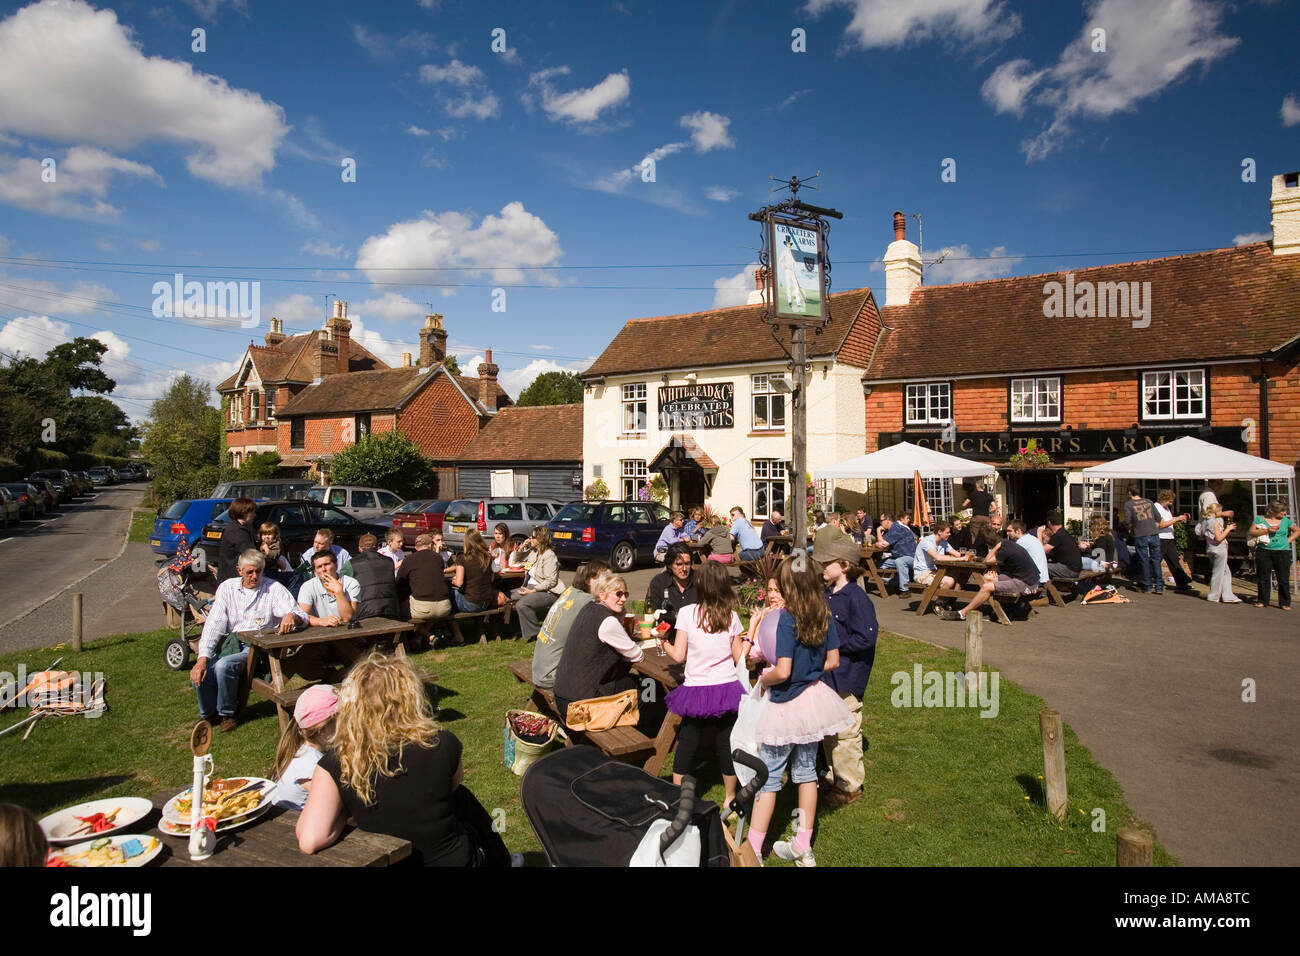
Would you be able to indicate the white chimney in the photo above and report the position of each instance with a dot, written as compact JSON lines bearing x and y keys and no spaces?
{"x":1285,"y":203}
{"x":902,"y":265}
{"x":758,"y":295}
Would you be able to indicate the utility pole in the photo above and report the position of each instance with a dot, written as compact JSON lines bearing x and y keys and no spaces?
{"x":799,"y":432}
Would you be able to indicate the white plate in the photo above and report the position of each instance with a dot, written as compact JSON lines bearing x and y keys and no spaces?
{"x":172,"y":815}
{"x":118,"y":840}
{"x":183,"y":829}
{"x":58,"y":826}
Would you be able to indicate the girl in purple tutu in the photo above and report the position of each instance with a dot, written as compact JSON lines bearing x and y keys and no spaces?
{"x":708,"y":640}
{"x":800,"y":709}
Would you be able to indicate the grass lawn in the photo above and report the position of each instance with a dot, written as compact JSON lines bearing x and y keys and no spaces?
{"x":944,"y":786}
{"x":141,"y":524}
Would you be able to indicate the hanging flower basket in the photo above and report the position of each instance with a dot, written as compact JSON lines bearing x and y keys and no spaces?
{"x":596,"y":491}
{"x":1029,"y":456}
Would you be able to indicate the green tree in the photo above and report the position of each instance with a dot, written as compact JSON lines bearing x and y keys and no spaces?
{"x":260,"y":464}
{"x":553,"y":388}
{"x":34,"y":390}
{"x":383,"y":460}
{"x":451,"y":365}
{"x":183,"y":439}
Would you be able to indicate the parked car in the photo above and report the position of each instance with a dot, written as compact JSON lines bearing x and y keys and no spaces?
{"x":62,"y":481}
{"x":102,"y":475}
{"x":47,"y":489}
{"x":620,"y":532}
{"x":520,"y":515}
{"x":11,"y":512}
{"x":30,"y":501}
{"x":84,"y":482}
{"x":299,"y":521}
{"x":184,"y":521}
{"x":357,"y":500}
{"x":267,"y":488}
{"x":415,"y":518}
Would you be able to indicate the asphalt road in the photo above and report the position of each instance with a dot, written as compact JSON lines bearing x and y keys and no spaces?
{"x":81,"y":548}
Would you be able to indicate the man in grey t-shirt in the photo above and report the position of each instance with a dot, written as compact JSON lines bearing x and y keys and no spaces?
{"x":1144,"y":525}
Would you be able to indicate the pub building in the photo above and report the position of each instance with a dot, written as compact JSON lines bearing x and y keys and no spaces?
{"x":1092,"y":365}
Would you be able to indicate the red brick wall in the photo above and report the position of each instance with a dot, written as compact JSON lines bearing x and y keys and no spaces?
{"x":439,"y":420}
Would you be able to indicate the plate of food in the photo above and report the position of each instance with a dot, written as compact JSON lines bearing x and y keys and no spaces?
{"x":96,"y":818}
{"x":224,"y":798}
{"x":125,"y":849}
{"x":230,"y":823}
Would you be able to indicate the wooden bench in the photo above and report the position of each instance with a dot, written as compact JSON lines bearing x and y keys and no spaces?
{"x":998,"y":599}
{"x":1101,"y":577}
{"x":488,"y":617}
{"x":617,"y":742}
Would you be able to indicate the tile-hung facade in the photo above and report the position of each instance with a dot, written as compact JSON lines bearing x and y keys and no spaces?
{"x":703,"y":400}
{"x":1093,"y":364}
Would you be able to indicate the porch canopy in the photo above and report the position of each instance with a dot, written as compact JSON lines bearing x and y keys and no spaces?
{"x":904,"y":460}
{"x":1191,"y":459}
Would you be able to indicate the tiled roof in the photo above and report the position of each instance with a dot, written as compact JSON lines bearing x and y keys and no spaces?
{"x":1226,"y":303}
{"x":690,"y":448}
{"x":540,"y":433}
{"x":288,"y":361}
{"x":723,"y":337}
{"x":355,"y":392}
{"x":470,"y":384}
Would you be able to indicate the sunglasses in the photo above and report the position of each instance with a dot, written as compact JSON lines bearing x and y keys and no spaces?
{"x":621,"y":594}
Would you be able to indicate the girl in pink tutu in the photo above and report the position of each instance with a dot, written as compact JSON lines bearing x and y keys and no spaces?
{"x":709,"y":641}
{"x":801,"y":710}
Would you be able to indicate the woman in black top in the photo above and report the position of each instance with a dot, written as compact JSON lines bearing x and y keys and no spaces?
{"x":395,"y":772}
{"x":598,"y":654}
{"x":472,"y":588}
{"x":236,"y":537}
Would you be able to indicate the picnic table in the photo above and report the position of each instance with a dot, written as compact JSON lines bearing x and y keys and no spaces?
{"x":271,"y":841}
{"x":314,"y":653}
{"x":668,"y":674}
{"x":869,"y":553}
{"x":965,"y":572}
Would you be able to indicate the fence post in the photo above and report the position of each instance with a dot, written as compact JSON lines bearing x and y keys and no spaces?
{"x":76,"y":621}
{"x":974,"y":651}
{"x":1049,"y":722}
{"x":1134,"y":848}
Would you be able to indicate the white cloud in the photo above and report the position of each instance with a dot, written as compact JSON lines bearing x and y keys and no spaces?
{"x":148,"y":245}
{"x":82,"y":172}
{"x":431,"y":159}
{"x":456,"y":73}
{"x":417,"y":131}
{"x":21,"y":294}
{"x":450,"y":132}
{"x":474,"y":99}
{"x":1246,"y":238}
{"x":957,"y":266}
{"x":32,"y":335}
{"x":105,"y":244}
{"x":479,"y":106}
{"x":1150,"y":47}
{"x":790,"y":100}
{"x":296,"y":209}
{"x":721,"y":193}
{"x":384,"y":47}
{"x":708,"y":130}
{"x":893,"y":23}
{"x":500,"y":245}
{"x":1290,"y":111}
{"x":208,"y":9}
{"x":389,"y":350}
{"x":391,"y":307}
{"x":582,"y":105}
{"x":298,"y":309}
{"x":515,"y":380}
{"x":543,"y":348}
{"x":319,"y":247}
{"x":734,"y":290}
{"x":107,"y":93}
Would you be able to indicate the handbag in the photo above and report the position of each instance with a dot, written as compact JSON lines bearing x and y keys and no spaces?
{"x":521,"y":753}
{"x":603,"y":713}
{"x":744,"y":732}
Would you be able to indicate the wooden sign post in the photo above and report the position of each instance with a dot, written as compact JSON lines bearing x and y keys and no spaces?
{"x":1134,"y":848}
{"x":974,"y":651}
{"x":1049,"y":721}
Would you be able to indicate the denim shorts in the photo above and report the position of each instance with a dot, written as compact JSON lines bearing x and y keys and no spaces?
{"x":803,"y":765}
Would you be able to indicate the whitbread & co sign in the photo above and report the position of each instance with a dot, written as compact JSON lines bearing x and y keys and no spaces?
{"x":697,"y":406}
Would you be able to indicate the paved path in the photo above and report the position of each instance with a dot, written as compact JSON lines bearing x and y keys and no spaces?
{"x":39,"y":563}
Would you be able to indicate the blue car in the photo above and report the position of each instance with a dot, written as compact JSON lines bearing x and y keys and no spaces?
{"x":620,"y":532}
{"x":184,"y":520}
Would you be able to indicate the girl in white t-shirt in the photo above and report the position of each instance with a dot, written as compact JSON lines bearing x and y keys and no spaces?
{"x":709,"y":641}
{"x":302,"y":744}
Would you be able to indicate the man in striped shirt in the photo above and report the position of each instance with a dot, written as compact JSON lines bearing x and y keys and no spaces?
{"x":247,"y":603}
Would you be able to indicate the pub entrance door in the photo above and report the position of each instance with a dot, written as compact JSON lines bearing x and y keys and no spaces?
{"x":1034,"y":493}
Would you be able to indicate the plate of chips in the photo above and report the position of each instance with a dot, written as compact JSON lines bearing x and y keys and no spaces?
{"x":125,"y":849}
{"x":224,"y":799}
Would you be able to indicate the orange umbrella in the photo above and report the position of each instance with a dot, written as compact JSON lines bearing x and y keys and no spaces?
{"x":922,"y":516}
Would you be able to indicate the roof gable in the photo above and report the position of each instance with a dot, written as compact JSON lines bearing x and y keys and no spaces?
{"x":540,"y":433}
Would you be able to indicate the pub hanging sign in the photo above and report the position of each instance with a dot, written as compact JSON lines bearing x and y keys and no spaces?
{"x":687,"y":407}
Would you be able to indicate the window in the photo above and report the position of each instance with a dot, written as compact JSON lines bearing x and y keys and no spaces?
{"x":1186,"y":494}
{"x":501,"y":511}
{"x":634,"y":409}
{"x":615,"y":514}
{"x":502,"y":484}
{"x":360,"y":427}
{"x":338,"y":496}
{"x":290,"y":515}
{"x":298,"y":433}
{"x":537,"y":511}
{"x":1035,"y":400}
{"x":234,"y":409}
{"x":938,"y":495}
{"x":1173,"y":395}
{"x":388,"y":501}
{"x":363,"y":499}
{"x":635,"y":477}
{"x":769,"y":407}
{"x":641,"y":514}
{"x":326,"y":515}
{"x":768,"y":485}
{"x":929,"y":404}
{"x":270,"y":405}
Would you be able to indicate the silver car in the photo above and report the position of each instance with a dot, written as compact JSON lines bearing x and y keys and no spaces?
{"x":519,"y":515}
{"x":361,"y":502}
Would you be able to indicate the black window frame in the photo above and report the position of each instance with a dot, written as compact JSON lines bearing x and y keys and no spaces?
{"x":297,"y":433}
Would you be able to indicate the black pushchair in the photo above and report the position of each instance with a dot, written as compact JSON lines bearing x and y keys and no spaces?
{"x":178,"y":593}
{"x":589,"y":809}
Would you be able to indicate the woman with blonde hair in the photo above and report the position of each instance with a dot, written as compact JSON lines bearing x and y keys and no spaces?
{"x":395,"y":771}
{"x":543,"y":587}
{"x":599,"y":653}
{"x":1216,"y":548}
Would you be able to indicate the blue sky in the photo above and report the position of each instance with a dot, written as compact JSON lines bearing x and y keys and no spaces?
{"x":520,"y":168}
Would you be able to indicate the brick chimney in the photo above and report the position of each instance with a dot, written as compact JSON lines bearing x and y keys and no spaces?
{"x":1285,"y":204}
{"x":276,"y":335}
{"x":341,"y":332}
{"x":759,"y":294}
{"x":326,"y":360}
{"x":487,"y":383}
{"x":902,"y":265}
{"x":433,"y":341}
{"x":406,"y":360}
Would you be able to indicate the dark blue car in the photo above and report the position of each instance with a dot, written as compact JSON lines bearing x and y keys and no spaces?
{"x":620,"y":532}
{"x":184,"y":519}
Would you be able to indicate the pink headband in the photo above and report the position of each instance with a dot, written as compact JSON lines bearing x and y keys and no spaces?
{"x":316,"y":705}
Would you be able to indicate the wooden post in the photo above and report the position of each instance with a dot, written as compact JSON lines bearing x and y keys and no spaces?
{"x":974,"y":650}
{"x":76,"y":621}
{"x":799,"y":435}
{"x":1134,"y":848}
{"x":1049,"y":722}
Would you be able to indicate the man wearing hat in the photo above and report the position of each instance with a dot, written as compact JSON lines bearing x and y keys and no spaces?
{"x":855,"y":621}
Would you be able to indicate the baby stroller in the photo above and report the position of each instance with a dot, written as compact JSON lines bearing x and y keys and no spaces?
{"x":178,"y":594}
{"x":588,"y":809}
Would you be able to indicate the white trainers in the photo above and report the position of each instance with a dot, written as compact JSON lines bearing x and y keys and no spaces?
{"x":785,"y":850}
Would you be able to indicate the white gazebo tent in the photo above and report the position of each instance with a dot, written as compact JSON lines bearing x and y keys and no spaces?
{"x":1189,"y":459}
{"x":903,"y":461}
